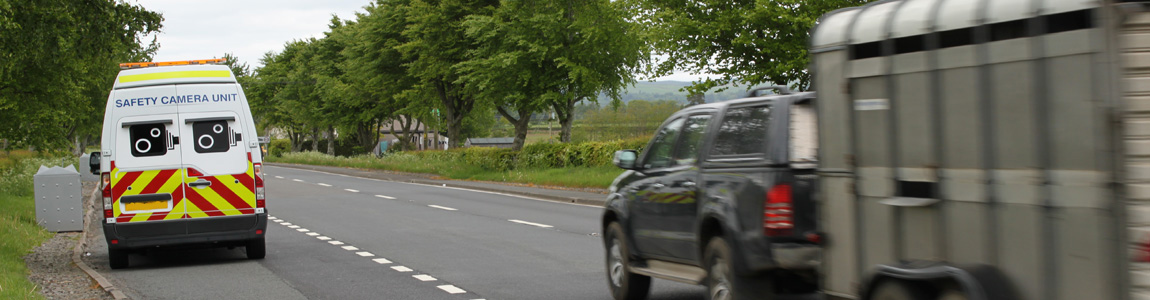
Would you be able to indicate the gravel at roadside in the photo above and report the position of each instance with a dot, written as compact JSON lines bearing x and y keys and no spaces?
{"x":52,"y":270}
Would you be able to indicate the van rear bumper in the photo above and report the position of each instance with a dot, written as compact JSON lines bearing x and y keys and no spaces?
{"x":185,"y":231}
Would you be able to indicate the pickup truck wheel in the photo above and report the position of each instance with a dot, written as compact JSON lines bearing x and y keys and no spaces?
{"x":951,"y":294}
{"x":117,"y":259}
{"x":624,"y":284}
{"x":256,"y":248}
{"x":723,"y":284}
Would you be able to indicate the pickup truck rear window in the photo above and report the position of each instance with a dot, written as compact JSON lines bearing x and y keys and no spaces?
{"x":743,"y":131}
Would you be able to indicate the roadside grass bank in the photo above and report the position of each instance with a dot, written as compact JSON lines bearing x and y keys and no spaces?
{"x":20,"y":234}
{"x":494,"y":165}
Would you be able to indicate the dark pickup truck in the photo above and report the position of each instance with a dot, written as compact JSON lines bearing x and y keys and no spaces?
{"x":721,"y":196}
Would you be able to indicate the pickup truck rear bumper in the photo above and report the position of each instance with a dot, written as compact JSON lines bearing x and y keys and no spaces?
{"x":762,"y":255}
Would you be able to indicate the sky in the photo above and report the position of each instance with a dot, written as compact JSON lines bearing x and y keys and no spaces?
{"x":249,"y":28}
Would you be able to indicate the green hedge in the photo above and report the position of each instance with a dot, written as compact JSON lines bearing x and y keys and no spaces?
{"x":534,"y":156}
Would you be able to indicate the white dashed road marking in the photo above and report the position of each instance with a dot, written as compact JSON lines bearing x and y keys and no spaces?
{"x":285,"y":224}
{"x":350,"y":248}
{"x":364,"y":254}
{"x":337,"y":243}
{"x":532,"y":224}
{"x":424,"y":277}
{"x":302,"y":230}
{"x":278,"y":221}
{"x":323,"y":184}
{"x":401,"y":269}
{"x":297,"y":180}
{"x":279,"y":177}
{"x":442,"y":207}
{"x":323,"y":238}
{"x":351,"y":190}
{"x":312,"y":233}
{"x":382,"y":261}
{"x":451,"y":289}
{"x":271,"y":218}
{"x":293,"y":226}
{"x":385,"y":197}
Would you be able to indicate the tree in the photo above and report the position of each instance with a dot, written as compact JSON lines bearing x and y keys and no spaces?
{"x":57,"y":59}
{"x":747,"y":42}
{"x":435,"y":45}
{"x":534,"y":55}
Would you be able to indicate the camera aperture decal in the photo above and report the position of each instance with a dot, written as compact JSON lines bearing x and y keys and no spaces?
{"x":150,"y":139}
{"x":214,"y":136}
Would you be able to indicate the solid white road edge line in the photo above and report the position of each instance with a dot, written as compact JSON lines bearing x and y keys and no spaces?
{"x":451,"y":289}
{"x":424,"y":277}
{"x":531,"y":223}
{"x":441,"y":207}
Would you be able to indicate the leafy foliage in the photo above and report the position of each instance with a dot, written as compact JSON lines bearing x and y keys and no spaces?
{"x":57,"y":59}
{"x":747,"y":42}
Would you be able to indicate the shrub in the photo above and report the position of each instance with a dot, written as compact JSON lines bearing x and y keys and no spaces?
{"x":277,"y":148}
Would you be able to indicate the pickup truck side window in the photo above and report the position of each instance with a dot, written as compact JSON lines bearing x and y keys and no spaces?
{"x":688,"y":150}
{"x":659,"y":156}
{"x":743,"y":131}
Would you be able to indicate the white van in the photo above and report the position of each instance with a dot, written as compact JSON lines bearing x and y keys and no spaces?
{"x":180,"y":162}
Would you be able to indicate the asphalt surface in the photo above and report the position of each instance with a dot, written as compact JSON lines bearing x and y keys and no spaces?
{"x":357,"y":234}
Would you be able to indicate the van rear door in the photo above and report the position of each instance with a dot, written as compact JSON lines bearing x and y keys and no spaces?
{"x":219,"y":177}
{"x":146,"y":173}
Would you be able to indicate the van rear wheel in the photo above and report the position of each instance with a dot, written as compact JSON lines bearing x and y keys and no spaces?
{"x":256,"y":248}
{"x":117,"y":258}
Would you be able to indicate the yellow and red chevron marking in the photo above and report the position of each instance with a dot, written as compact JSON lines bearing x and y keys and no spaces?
{"x":147,"y":182}
{"x":228,"y":195}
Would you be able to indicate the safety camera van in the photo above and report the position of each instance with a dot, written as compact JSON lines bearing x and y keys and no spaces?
{"x":180,"y":162}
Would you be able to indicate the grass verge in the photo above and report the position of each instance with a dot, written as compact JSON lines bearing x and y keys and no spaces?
{"x":580,"y":177}
{"x":20,"y":234}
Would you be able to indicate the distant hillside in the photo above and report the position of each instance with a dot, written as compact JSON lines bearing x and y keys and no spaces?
{"x":669,"y":90}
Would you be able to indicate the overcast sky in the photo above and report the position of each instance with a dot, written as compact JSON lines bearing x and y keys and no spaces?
{"x":249,"y":28}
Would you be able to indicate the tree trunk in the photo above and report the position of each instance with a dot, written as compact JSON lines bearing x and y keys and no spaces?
{"x":296,"y":139}
{"x":521,"y":126}
{"x":315,"y":139}
{"x":330,"y":140}
{"x":456,"y":107}
{"x":565,"y":112}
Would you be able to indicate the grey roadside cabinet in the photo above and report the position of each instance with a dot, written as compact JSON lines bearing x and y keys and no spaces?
{"x":59,"y":199}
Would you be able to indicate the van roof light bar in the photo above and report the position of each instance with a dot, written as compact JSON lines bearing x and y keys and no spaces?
{"x":137,"y":65}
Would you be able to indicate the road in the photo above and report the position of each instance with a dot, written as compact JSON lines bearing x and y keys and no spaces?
{"x":343,"y":237}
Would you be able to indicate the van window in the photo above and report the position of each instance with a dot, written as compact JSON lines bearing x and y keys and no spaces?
{"x":659,"y":155}
{"x":213,"y":136}
{"x":150,"y":139}
{"x":743,"y":131}
{"x":804,"y":133}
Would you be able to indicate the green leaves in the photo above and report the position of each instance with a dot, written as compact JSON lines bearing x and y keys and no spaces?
{"x":57,"y":61}
{"x":749,"y":42}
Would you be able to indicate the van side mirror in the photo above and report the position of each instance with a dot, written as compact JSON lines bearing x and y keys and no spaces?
{"x":625,"y":159}
{"x":94,"y":163}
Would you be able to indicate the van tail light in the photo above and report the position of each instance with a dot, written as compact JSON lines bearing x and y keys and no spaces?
{"x":259,"y":180}
{"x":106,"y":192}
{"x":778,"y":216}
{"x":1142,"y":252}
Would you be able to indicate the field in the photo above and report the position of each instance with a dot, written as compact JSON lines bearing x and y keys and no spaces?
{"x":18,"y":218}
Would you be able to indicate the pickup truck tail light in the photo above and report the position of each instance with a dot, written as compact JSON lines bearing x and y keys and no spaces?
{"x":106,"y":192}
{"x":778,"y":216}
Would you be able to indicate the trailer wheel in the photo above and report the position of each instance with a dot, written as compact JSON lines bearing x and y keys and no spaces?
{"x":256,"y":248}
{"x":951,"y":294}
{"x":893,"y":289}
{"x":117,"y":258}
{"x":624,"y":284}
